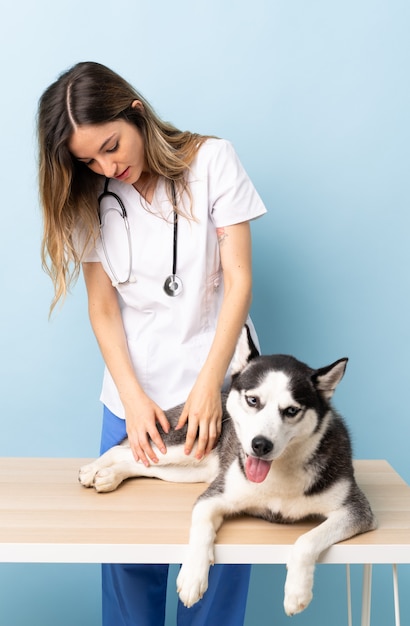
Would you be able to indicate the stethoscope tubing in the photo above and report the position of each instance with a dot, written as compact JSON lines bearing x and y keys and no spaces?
{"x":175,"y":240}
{"x":111,"y":194}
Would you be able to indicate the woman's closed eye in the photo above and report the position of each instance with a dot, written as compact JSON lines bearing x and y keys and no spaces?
{"x":111,"y":150}
{"x":114,"y":148}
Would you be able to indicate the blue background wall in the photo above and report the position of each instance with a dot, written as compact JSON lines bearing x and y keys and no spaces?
{"x":315,"y":97}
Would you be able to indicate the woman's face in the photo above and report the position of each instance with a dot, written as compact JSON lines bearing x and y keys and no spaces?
{"x":114,"y":149}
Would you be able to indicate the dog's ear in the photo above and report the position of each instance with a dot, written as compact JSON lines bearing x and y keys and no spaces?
{"x":327,"y":378}
{"x":245,"y":351}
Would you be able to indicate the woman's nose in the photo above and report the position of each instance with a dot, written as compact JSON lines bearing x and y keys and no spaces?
{"x":108,"y":167}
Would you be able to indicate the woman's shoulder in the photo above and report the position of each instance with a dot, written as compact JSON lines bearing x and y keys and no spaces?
{"x":215,"y":153}
{"x":213,"y":146}
{"x":232,"y":196}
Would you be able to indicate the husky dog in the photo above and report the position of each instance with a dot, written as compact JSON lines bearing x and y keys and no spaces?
{"x":284,"y":455}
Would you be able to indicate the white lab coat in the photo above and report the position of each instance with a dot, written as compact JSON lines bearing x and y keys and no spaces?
{"x":169,"y":337}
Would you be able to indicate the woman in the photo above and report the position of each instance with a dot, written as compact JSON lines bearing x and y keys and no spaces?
{"x":159,"y":221}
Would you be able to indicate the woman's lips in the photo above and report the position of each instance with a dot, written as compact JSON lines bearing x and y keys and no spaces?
{"x":123,"y":175}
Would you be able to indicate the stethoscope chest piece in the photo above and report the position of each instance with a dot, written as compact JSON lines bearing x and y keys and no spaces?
{"x":173,"y":285}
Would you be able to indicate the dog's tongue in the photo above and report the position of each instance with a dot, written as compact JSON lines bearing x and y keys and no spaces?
{"x":256,"y":469}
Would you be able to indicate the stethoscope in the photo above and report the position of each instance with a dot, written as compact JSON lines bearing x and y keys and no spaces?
{"x":173,"y":284}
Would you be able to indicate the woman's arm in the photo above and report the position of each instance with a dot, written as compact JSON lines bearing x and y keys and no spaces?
{"x":203,"y":408}
{"x":141,"y":412}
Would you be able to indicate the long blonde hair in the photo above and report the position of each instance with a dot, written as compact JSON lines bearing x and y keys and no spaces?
{"x":90,"y":93}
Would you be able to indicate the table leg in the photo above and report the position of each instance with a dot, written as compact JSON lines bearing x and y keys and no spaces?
{"x":396,"y":596}
{"x":366,"y":594}
{"x":349,"y":595}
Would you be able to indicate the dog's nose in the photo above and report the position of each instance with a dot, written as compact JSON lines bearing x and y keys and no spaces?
{"x":261,"y":445}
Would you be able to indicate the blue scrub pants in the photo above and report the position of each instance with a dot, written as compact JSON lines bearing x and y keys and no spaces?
{"x":135,"y":595}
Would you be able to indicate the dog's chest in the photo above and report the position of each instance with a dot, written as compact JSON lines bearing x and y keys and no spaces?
{"x":279,"y":487}
{"x":281,"y":495}
{"x":276,"y":503}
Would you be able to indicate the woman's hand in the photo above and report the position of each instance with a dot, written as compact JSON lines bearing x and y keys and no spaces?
{"x":203,"y":412}
{"x":141,"y":422}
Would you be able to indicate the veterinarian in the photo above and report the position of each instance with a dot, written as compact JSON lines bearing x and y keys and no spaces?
{"x":158,"y":219}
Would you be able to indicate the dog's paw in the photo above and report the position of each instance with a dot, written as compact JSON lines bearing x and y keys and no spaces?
{"x":298,"y":589}
{"x":102,"y":480}
{"x":296,"y":602}
{"x":86,"y":475}
{"x":107,"y":479}
{"x":191,"y":584}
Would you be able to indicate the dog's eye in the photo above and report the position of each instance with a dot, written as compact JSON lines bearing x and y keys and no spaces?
{"x":252,"y":401}
{"x":290,"y":411}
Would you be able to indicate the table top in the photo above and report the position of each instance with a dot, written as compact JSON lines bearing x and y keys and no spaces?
{"x":47,"y":516}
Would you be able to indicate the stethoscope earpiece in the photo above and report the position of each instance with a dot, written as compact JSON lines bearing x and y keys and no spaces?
{"x":132,"y":279}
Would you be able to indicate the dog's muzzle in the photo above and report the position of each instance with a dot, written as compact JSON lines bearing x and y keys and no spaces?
{"x":257,"y":468}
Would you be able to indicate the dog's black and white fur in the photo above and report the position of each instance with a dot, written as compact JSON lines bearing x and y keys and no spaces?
{"x":284,"y":455}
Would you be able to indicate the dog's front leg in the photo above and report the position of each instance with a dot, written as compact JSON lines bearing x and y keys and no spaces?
{"x":192,"y":581}
{"x":303,"y":557}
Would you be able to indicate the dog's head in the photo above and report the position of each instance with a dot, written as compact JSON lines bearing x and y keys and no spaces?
{"x":276,"y":401}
